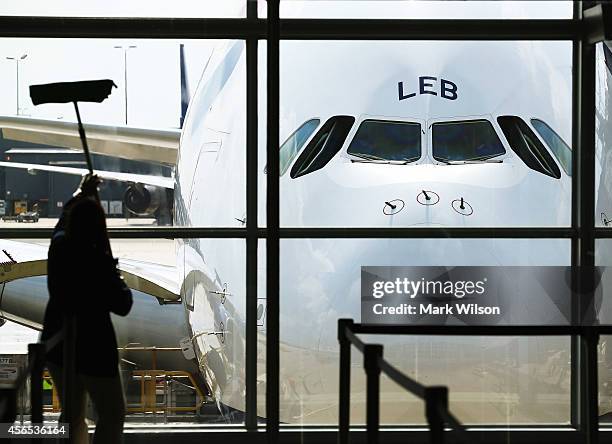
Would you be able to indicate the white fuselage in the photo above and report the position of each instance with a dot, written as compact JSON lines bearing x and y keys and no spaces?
{"x":320,"y":278}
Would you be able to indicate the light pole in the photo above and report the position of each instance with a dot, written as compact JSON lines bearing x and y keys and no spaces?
{"x":125,"y":51}
{"x":17,"y":60}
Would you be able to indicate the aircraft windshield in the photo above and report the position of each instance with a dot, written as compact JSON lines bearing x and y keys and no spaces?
{"x":387,"y":141}
{"x":294,"y":143}
{"x":467,"y":141}
{"x":562,"y":152}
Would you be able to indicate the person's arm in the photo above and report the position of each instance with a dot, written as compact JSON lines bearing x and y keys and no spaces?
{"x":117,"y":294}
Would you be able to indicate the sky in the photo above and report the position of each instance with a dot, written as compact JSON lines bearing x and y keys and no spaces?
{"x":153,"y":77}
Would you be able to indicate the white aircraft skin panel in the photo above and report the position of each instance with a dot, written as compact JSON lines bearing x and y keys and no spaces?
{"x":208,"y":121}
{"x":603,"y":139}
{"x":547,"y":205}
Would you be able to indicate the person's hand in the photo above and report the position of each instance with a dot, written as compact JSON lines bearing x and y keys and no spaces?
{"x":88,"y":186}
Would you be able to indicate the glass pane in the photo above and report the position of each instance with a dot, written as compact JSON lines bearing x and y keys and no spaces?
{"x":393,"y":87}
{"x":560,"y":149}
{"x":194,"y":350}
{"x":167,"y":92}
{"x":118,"y":8}
{"x":603,"y":308}
{"x":491,"y":380}
{"x":603,"y":136}
{"x":424,"y":9}
{"x":379,"y":140}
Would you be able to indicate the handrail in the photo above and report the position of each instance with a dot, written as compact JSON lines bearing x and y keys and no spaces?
{"x":37,"y":353}
{"x":480,"y":330}
{"x":436,"y":397}
{"x":399,"y":378}
{"x":352,"y":337}
{"x":48,"y":345}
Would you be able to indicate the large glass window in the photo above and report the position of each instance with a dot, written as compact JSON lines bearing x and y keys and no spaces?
{"x":427,"y":9}
{"x":173,"y":127}
{"x":387,"y":141}
{"x":462,"y":151}
{"x":118,"y":8}
{"x":506,"y":380}
{"x":171,"y":145}
{"x":467,"y":141}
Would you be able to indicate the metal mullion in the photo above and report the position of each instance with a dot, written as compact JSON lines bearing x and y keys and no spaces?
{"x":602,"y":233}
{"x":434,"y":232}
{"x":584,"y":350}
{"x":252,"y":239}
{"x":302,"y":29}
{"x":272,"y":221}
{"x":476,"y":330}
{"x":312,"y":232}
{"x":174,"y":233}
{"x":430,"y":29}
{"x":131,"y":27}
{"x":589,"y":412}
{"x":575,"y":344}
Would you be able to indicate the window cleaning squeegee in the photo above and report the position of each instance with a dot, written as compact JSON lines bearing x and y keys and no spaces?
{"x":65,"y":92}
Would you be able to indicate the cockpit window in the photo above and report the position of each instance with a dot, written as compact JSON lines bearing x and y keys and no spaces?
{"x":295,"y":142}
{"x":465,"y":141}
{"x":557,"y":145}
{"x":324,"y":145}
{"x":387,"y":140}
{"x":527,"y":146}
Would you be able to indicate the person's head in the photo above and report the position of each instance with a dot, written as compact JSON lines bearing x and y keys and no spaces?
{"x":86,"y":223}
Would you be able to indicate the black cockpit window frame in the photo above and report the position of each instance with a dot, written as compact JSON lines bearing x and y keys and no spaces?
{"x":323,"y":146}
{"x":527,"y":146}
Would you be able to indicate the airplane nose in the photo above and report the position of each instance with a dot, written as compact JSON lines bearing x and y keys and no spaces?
{"x":430,"y":206}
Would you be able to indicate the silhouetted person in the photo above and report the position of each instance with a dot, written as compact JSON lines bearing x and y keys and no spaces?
{"x":84,"y":282}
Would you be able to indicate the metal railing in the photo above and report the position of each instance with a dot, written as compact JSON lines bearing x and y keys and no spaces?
{"x":151,"y":380}
{"x":35,"y":369}
{"x":435,"y":397}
